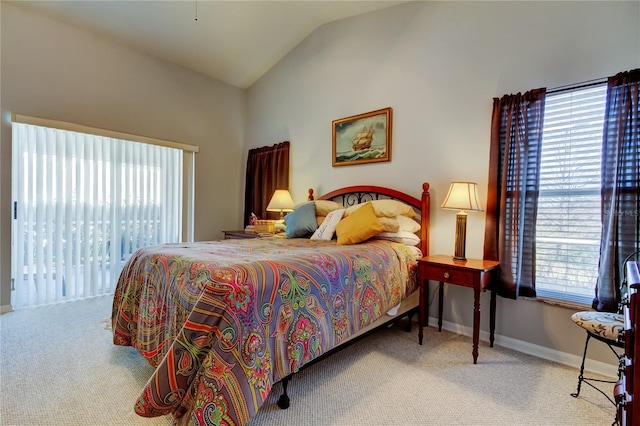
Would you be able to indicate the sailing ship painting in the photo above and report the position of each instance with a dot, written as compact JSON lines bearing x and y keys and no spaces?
{"x":364,"y":138}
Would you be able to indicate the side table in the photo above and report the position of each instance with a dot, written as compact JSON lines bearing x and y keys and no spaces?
{"x":473,"y":273}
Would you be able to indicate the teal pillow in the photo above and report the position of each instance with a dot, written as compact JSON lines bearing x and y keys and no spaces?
{"x":302,"y":221}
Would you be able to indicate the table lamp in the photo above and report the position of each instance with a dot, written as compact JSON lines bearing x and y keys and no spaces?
{"x":280,"y":201}
{"x":462,"y":196}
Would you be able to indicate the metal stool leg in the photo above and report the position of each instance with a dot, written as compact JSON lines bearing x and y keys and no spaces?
{"x":581,"y":376}
{"x":588,"y":380}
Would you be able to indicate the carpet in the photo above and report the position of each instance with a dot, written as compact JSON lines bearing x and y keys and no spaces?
{"x":58,"y":366}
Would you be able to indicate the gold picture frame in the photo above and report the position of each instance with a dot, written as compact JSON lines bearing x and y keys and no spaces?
{"x":363,"y":138}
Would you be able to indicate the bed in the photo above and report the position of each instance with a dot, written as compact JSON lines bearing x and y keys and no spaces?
{"x":223,"y":321}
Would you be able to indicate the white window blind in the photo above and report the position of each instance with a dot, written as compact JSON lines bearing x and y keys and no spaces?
{"x":82,"y":204}
{"x":568,"y":223}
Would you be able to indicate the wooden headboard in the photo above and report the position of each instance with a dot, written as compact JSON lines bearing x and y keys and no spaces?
{"x":351,"y":195}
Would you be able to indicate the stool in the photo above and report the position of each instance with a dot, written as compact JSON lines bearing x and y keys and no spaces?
{"x":606,"y":327}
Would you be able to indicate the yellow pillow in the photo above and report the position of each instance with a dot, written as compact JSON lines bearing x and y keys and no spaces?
{"x":323,"y":207}
{"x":386,"y":207}
{"x":361,"y":225}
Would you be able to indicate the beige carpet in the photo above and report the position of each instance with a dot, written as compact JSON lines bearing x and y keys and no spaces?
{"x":59,"y":367}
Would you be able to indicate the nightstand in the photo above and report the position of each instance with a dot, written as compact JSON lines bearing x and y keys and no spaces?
{"x":473,"y":273}
{"x":233,"y":235}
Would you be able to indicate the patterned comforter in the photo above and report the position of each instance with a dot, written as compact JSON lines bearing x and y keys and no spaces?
{"x":225,"y":320}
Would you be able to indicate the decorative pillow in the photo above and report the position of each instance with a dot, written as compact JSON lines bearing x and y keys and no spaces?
{"x":320,"y":219}
{"x":302,"y":221}
{"x":323,"y":207}
{"x":386,"y":207}
{"x":391,"y":224}
{"x":359,"y":226}
{"x":407,"y":224}
{"x":328,"y":227}
{"x":407,"y":238}
{"x":297,"y":206}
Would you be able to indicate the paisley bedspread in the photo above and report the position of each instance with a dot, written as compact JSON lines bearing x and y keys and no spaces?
{"x":225,"y":320}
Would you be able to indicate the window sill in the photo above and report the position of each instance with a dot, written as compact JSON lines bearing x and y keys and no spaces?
{"x":576,"y":306}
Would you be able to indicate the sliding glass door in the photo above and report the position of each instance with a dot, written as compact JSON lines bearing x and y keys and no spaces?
{"x":82,"y":205}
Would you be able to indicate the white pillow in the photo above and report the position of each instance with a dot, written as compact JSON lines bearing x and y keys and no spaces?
{"x":328,"y":227}
{"x":391,"y":224}
{"x":407,"y":238}
{"x":407,"y":224}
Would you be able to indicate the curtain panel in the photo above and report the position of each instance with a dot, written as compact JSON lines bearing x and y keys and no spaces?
{"x":512,"y":195}
{"x":620,"y":184}
{"x":267,"y":170}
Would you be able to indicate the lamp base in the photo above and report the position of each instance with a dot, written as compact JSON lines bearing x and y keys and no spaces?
{"x":461,"y":236}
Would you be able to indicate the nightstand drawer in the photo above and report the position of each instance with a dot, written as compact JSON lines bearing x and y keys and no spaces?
{"x":447,"y":274}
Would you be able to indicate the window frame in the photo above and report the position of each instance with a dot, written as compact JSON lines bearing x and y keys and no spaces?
{"x":567,"y":296}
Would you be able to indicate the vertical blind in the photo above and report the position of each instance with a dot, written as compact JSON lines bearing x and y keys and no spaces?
{"x":568,"y":222}
{"x":82,"y":204}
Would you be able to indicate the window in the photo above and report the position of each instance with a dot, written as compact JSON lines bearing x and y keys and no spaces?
{"x":83,"y":203}
{"x":568,"y":221}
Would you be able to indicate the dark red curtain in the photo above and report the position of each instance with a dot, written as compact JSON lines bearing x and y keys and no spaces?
{"x":620,"y":180}
{"x":512,"y":195}
{"x":267,"y":170}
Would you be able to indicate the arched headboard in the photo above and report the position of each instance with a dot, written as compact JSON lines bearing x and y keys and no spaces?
{"x":356,"y":194}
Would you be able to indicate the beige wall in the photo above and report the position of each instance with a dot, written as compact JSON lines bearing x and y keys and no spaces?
{"x":55,"y":71}
{"x":438,"y":65}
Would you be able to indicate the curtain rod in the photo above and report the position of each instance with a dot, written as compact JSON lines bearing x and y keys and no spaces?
{"x":588,"y":83}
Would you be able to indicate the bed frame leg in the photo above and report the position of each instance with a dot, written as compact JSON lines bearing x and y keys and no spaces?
{"x":283,"y":401}
{"x":407,"y":327}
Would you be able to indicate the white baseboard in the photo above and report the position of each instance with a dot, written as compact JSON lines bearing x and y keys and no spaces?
{"x":5,"y":308}
{"x":598,"y":367}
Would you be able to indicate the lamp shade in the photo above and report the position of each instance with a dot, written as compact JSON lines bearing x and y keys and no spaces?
{"x":462,"y":196}
{"x":281,"y":201}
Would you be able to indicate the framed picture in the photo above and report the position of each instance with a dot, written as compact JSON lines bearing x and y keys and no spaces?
{"x":364,"y":138}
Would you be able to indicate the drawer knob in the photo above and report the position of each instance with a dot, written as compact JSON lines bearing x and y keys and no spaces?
{"x":446,"y":275}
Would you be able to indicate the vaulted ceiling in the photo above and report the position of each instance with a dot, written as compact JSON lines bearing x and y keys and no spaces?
{"x":232,"y":41}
